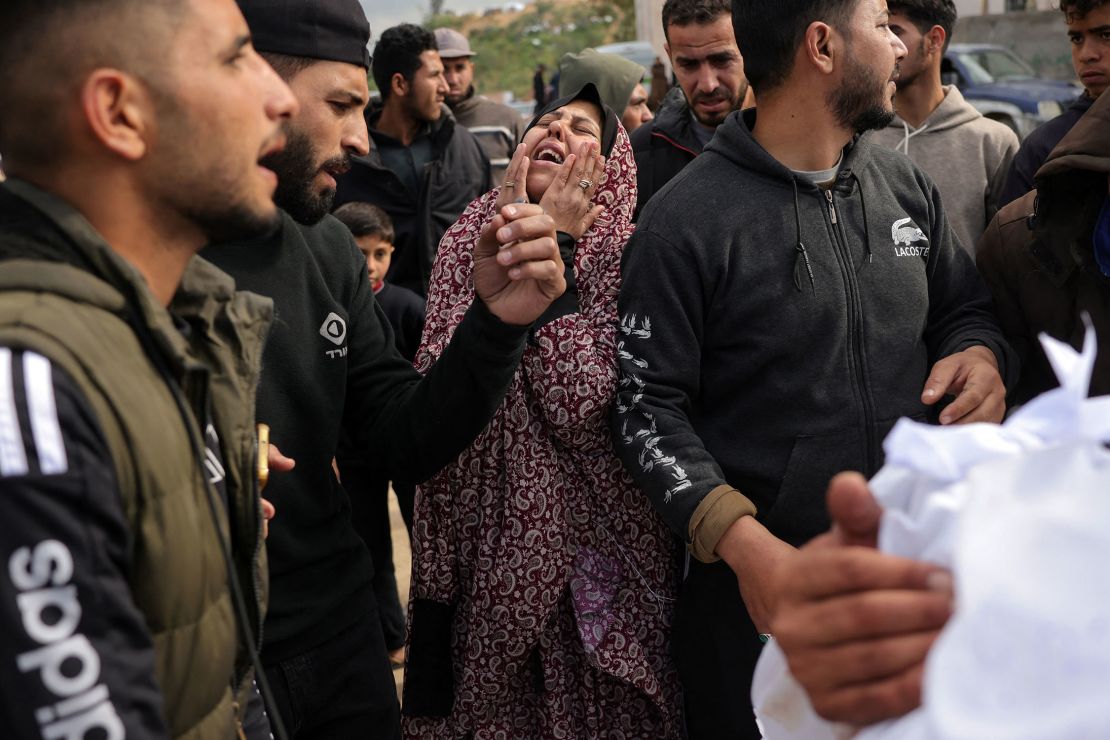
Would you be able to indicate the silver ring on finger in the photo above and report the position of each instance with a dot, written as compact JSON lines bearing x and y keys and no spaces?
{"x":509,"y":184}
{"x":585,"y":184}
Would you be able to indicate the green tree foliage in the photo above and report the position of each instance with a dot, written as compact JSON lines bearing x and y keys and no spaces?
{"x":510,"y":46}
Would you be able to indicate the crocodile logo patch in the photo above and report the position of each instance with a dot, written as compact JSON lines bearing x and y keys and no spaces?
{"x":909,"y":241}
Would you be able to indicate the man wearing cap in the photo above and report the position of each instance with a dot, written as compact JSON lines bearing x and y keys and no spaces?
{"x":497,"y":127}
{"x":423,"y":168}
{"x":619,"y":80}
{"x":330,"y":367}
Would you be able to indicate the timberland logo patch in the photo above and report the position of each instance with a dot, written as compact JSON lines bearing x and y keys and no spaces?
{"x":909,"y":241}
{"x":334,"y":329}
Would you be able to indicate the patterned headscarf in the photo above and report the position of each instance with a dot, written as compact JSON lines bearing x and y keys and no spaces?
{"x":616,"y":192}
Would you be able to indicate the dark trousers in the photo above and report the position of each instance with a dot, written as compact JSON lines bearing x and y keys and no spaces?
{"x":340,"y":690}
{"x":369,"y":495}
{"x":406,"y":501}
{"x":716,"y":647}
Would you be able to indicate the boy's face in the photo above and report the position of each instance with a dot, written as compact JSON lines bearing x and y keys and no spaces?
{"x":378,"y":253}
{"x":1090,"y":48}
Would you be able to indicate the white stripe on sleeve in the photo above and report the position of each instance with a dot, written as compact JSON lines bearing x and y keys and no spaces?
{"x":13,"y":456}
{"x":39,"y":383}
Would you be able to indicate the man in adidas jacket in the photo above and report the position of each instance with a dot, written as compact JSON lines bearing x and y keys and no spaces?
{"x":128,"y":367}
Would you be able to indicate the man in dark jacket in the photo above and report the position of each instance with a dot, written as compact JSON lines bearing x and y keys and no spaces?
{"x":1046,"y":256}
{"x":711,"y":84}
{"x":497,"y":127}
{"x":331,"y":368}
{"x":127,"y":367}
{"x":1088,"y":24}
{"x":810,"y":294}
{"x":423,"y":168}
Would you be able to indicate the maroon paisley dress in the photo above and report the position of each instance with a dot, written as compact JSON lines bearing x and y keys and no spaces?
{"x":543,"y":582}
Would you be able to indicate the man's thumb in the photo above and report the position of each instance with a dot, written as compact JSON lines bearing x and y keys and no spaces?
{"x":854,"y":511}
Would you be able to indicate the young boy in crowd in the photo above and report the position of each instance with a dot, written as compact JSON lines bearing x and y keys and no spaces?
{"x":367,"y":486}
{"x":373,"y":232}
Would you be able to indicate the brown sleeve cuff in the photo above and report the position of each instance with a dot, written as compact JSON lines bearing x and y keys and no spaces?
{"x":714,"y":515}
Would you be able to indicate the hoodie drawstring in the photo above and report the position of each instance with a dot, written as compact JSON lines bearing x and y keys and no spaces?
{"x":863,"y":207}
{"x":909,"y":133}
{"x":803,"y":257}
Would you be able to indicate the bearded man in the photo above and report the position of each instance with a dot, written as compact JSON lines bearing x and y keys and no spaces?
{"x":711,"y":84}
{"x":331,"y":368}
{"x":810,"y":294}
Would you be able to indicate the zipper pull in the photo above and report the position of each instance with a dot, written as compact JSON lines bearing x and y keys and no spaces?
{"x":832,"y":208}
{"x":240,"y":733}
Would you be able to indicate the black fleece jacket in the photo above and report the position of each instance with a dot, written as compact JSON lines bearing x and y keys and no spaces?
{"x":663,"y":147}
{"x":772,"y":334}
{"x":457,"y":174}
{"x":331,"y":366}
{"x":1037,"y":146}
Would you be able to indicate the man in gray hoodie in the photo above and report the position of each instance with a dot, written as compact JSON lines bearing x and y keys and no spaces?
{"x":967,"y":155}
{"x":808,"y":294}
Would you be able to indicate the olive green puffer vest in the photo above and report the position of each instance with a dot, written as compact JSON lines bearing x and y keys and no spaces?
{"x":149,"y":384}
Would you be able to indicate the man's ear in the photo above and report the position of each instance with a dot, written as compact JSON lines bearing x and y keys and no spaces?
{"x":398,"y":85}
{"x":821,"y":47}
{"x":935,"y":39}
{"x":118,"y":112}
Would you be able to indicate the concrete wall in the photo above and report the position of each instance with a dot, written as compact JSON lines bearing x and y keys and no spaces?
{"x":649,"y":26}
{"x":1040,"y":38}
{"x":984,"y":7}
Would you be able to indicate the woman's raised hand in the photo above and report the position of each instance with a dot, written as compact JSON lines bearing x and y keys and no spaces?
{"x":514,"y":186}
{"x":567,"y":199}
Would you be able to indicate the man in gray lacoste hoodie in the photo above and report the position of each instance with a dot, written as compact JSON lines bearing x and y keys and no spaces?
{"x":967,"y":155}
{"x":785,"y":299}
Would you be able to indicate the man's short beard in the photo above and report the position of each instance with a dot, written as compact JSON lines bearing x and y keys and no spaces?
{"x":415,"y":113}
{"x":855,"y":102}
{"x":719,"y":118}
{"x":905,"y":80}
{"x":296,"y":168}
{"x":453,"y":101}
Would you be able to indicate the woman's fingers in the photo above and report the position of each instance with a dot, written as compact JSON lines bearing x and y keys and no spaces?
{"x":590,"y":162}
{"x":487,"y":238}
{"x":511,"y":171}
{"x":567,"y":169}
{"x":526,"y":227}
{"x":597,"y":171}
{"x":585,"y":163}
{"x":530,"y":250}
{"x":591,"y":217}
{"x":513,"y":186}
{"x":522,"y":180}
{"x":517,"y":211}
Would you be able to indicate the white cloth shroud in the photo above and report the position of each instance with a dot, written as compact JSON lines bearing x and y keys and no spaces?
{"x":1020,"y":513}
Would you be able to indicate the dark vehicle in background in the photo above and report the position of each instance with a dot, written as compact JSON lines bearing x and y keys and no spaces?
{"x":1003,"y":87}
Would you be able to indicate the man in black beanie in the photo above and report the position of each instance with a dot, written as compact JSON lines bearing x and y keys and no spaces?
{"x":330,"y":367}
